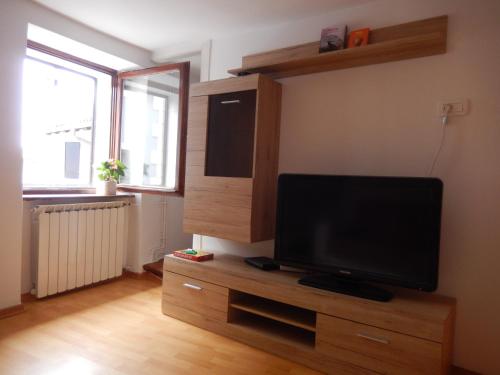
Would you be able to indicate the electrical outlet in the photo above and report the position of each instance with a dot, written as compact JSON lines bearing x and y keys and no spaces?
{"x":458,"y":107}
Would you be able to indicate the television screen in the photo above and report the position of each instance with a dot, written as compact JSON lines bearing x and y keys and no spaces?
{"x":383,"y":229}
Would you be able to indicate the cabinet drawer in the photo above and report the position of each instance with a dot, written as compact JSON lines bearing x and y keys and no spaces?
{"x":377,"y":349}
{"x":208,"y":300}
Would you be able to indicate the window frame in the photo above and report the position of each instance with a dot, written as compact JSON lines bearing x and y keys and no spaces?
{"x":115,"y":125}
{"x":183,"y":68}
{"x":88,"y":64}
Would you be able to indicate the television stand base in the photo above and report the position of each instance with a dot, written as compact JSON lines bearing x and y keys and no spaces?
{"x":412,"y":334}
{"x":352,"y":288}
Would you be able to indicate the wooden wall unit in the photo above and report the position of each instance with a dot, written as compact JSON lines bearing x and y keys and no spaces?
{"x":330,"y":332}
{"x":240,"y":205}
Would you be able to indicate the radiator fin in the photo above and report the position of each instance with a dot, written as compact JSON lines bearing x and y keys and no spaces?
{"x":62,"y":281}
{"x":43,"y":255}
{"x":89,"y":247}
{"x":96,"y":271}
{"x":112,"y":244}
{"x":80,"y":251}
{"x":72,"y":248}
{"x":120,"y":238}
{"x":106,"y":215}
{"x":53,"y":253}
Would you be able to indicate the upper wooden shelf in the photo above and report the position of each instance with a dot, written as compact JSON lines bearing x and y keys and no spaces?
{"x":405,"y":41}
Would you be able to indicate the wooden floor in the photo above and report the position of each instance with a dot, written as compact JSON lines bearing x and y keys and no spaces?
{"x":118,"y":328}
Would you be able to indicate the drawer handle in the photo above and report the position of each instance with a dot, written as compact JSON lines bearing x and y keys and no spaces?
{"x":371,"y":338}
{"x":230,"y":102}
{"x":191,"y":286}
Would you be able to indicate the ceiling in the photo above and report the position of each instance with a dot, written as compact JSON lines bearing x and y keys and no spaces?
{"x":154,"y":24}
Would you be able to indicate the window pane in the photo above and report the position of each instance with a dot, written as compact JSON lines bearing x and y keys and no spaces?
{"x":66,"y":119}
{"x":150,"y":129}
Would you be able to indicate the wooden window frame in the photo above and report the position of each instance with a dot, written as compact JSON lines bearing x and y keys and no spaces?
{"x":183,"y":69}
{"x":115,"y":125}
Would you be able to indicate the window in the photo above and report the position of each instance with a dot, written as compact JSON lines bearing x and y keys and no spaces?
{"x":71,"y":123}
{"x":66,"y":121}
{"x":154,"y":98}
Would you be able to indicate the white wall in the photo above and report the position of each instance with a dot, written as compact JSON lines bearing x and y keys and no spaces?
{"x":155,"y":229}
{"x":381,"y":120}
{"x":12,"y":42}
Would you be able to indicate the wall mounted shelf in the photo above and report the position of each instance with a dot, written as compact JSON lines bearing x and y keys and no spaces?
{"x":405,"y":41}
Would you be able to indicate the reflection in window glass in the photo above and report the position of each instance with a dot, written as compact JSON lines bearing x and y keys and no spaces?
{"x":149,"y":130}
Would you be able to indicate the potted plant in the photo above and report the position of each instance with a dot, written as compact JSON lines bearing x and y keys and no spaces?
{"x":110,"y":172}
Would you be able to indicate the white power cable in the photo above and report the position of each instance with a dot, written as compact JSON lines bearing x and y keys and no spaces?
{"x":444,"y":121}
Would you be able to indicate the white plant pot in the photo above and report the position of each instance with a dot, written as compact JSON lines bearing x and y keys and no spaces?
{"x":106,"y":188}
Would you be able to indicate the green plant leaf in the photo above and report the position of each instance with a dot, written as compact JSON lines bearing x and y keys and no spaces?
{"x":108,"y":173}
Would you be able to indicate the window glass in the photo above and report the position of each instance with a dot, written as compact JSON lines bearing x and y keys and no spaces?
{"x":150,"y":129}
{"x":66,"y":121}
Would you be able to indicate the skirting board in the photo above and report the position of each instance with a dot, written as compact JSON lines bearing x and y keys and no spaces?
{"x":10,"y":311}
{"x":28,"y":297}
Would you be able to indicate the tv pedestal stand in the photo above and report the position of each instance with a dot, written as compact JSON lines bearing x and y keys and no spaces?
{"x":330,"y":332}
{"x":349,"y":287}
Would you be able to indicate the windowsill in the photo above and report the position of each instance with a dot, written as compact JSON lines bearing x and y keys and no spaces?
{"x":76,"y":197}
{"x":150,"y":190}
{"x":87,"y":193}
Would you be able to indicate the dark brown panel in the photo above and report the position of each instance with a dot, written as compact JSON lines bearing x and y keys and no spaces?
{"x":230,"y":136}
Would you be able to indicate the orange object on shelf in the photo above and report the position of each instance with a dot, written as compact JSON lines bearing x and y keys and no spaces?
{"x":358,"y":38}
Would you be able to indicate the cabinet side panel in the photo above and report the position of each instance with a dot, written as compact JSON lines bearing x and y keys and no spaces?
{"x":197,"y":133}
{"x":448,"y":337}
{"x":266,"y":156}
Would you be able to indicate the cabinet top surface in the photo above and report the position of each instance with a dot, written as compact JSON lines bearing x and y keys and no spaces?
{"x":427,"y":305}
{"x":226,"y":85}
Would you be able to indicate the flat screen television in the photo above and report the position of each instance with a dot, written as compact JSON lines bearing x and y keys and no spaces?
{"x":351,"y":230}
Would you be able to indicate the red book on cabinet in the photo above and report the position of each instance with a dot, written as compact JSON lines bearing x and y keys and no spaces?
{"x":195,"y":255}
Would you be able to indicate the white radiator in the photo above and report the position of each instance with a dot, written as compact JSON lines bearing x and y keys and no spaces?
{"x":78,"y":245}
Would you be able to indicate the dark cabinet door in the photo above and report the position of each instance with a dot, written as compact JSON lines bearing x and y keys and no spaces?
{"x":230,"y":134}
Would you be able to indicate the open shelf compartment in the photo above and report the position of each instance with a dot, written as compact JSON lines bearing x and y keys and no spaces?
{"x":275,"y":319}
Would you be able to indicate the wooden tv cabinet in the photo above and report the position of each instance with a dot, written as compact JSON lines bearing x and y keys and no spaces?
{"x":330,"y":332}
